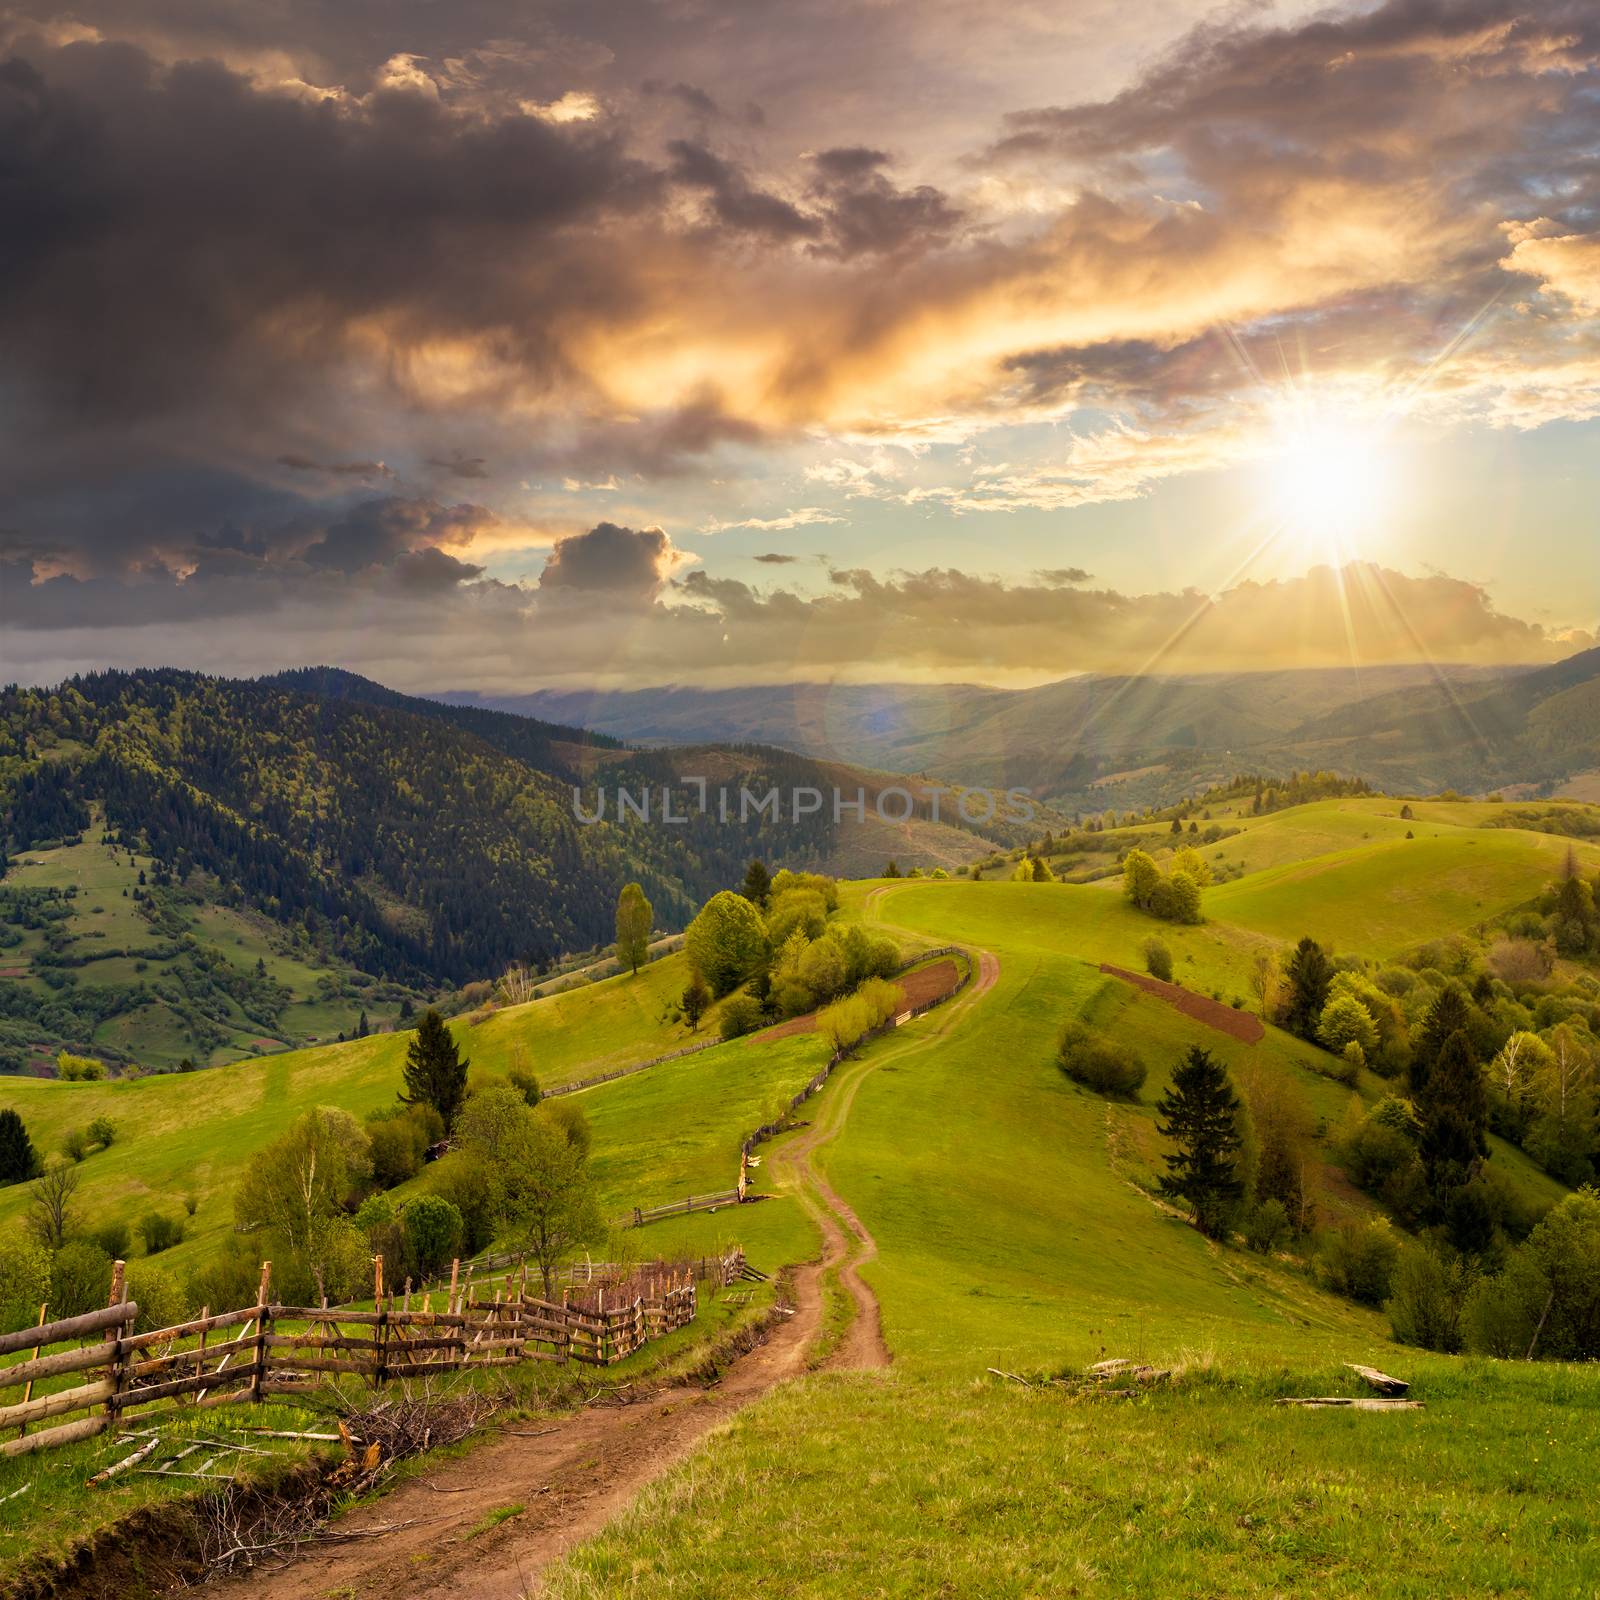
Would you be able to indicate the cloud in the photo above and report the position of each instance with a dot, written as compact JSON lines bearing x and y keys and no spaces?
{"x":772,"y":558}
{"x":459,"y":466}
{"x":1568,"y":264}
{"x":336,"y":469}
{"x":804,"y":517}
{"x":611,"y":561}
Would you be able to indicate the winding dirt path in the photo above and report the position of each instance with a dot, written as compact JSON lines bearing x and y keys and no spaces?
{"x":569,"y":1477}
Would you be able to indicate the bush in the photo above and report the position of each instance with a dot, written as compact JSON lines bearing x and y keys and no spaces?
{"x":1158,"y":960}
{"x":159,"y":1232}
{"x":1425,"y":1305}
{"x":75,"y":1144}
{"x":113,"y":1237}
{"x":1100,"y":1063}
{"x":80,"y":1069}
{"x":525,"y":1084}
{"x":103,"y":1132}
{"x":465,"y":1181}
{"x":433,"y":1231}
{"x":1267,"y":1226}
{"x":740,"y":1015}
{"x":80,"y":1279}
{"x":162,"y":1303}
{"x":1358,"y":1261}
{"x":24,"y":1280}
{"x":191,"y":1203}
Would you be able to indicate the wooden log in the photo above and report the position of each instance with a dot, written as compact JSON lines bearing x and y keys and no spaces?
{"x":25,"y":1372}
{"x":188,"y":1330}
{"x":198,"y":1356}
{"x":52,"y":1405}
{"x":1357,"y":1403}
{"x":143,"y":1453}
{"x":363,"y":1369}
{"x":69,"y":1328}
{"x":1379,"y":1381}
{"x":67,"y":1433}
{"x":195,"y":1383}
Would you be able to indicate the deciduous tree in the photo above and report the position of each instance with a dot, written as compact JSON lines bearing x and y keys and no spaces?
{"x":635,"y":917}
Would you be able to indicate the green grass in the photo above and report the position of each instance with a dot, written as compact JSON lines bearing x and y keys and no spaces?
{"x":1014,"y":1233}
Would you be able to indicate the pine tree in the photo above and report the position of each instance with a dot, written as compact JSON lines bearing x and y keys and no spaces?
{"x":1448,"y":1015}
{"x":1454,"y":1111}
{"x":18,"y":1159}
{"x":757,"y":884}
{"x":1309,"y":975}
{"x":363,"y":1027}
{"x":892,"y":870}
{"x":635,"y":917}
{"x":1199,"y":1112}
{"x":435,"y":1071}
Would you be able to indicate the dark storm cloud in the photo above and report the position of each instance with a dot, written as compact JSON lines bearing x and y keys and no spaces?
{"x":375,"y":532}
{"x":772,"y":558}
{"x":177,"y":238}
{"x":610,"y":560}
{"x":337,"y":469}
{"x":735,"y":202}
{"x":461,"y":466}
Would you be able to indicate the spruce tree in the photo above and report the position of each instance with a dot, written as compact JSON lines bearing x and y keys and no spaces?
{"x":1448,"y":1015}
{"x":1199,"y":1112}
{"x":635,"y":917}
{"x":18,"y":1159}
{"x":1309,"y":975}
{"x":435,"y":1071}
{"x":757,"y":884}
{"x":1454,"y":1111}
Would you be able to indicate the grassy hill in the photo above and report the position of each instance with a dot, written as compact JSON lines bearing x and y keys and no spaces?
{"x":1016,"y":1229}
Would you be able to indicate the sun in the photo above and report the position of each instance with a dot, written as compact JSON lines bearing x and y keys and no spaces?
{"x":1330,"y":484}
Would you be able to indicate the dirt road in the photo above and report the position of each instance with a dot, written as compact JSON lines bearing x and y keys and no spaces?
{"x":451,"y":1530}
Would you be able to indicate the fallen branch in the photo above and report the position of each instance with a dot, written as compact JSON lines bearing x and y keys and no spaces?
{"x":143,"y":1453}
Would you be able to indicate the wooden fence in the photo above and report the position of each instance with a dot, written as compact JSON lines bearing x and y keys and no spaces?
{"x":271,"y":1349}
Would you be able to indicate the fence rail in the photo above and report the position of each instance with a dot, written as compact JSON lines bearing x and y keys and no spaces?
{"x":274,"y":1349}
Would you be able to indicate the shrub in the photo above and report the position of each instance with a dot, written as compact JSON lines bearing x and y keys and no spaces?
{"x":464,"y":1179}
{"x":1158,"y":960}
{"x":79,"y":1069}
{"x":1100,"y":1063}
{"x":1425,"y":1304}
{"x":113,"y":1237}
{"x":741,"y":1015}
{"x":1358,"y":1261}
{"x":24,"y":1280}
{"x":75,"y":1144}
{"x":162,"y":1303}
{"x":845,"y":1023}
{"x":1267,"y":1226}
{"x":159,"y":1232}
{"x":103,"y":1132}
{"x":525,"y":1084}
{"x":191,"y":1203}
{"x":80,"y":1279}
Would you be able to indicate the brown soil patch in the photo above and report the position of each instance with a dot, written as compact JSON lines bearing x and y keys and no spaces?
{"x":1241,"y":1025}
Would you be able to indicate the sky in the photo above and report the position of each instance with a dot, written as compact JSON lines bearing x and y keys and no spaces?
{"x":510,"y":343}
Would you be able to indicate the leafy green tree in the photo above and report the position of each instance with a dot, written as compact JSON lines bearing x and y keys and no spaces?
{"x":1308,"y":978}
{"x":103,"y":1132}
{"x":635,"y":918}
{"x":1546,"y":1300}
{"x":159,"y":1232}
{"x":757,"y":884}
{"x":435,"y":1070}
{"x":1346,"y":1021}
{"x":433,"y":1231}
{"x":892,"y":870}
{"x":298,"y":1187}
{"x":1140,"y":878}
{"x":18,"y":1159}
{"x":1182,"y":899}
{"x":726,"y":942}
{"x":695,"y":999}
{"x":1191,"y":861}
{"x":1199,"y":1112}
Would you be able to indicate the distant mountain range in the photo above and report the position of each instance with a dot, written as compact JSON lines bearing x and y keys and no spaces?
{"x":1087,"y":741}
{"x":423,"y":842}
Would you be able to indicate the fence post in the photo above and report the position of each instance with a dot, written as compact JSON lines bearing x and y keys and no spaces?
{"x":27,"y":1393}
{"x":258,"y":1381}
{"x":116,"y":1359}
{"x":380,"y":1330}
{"x":200,"y":1359}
